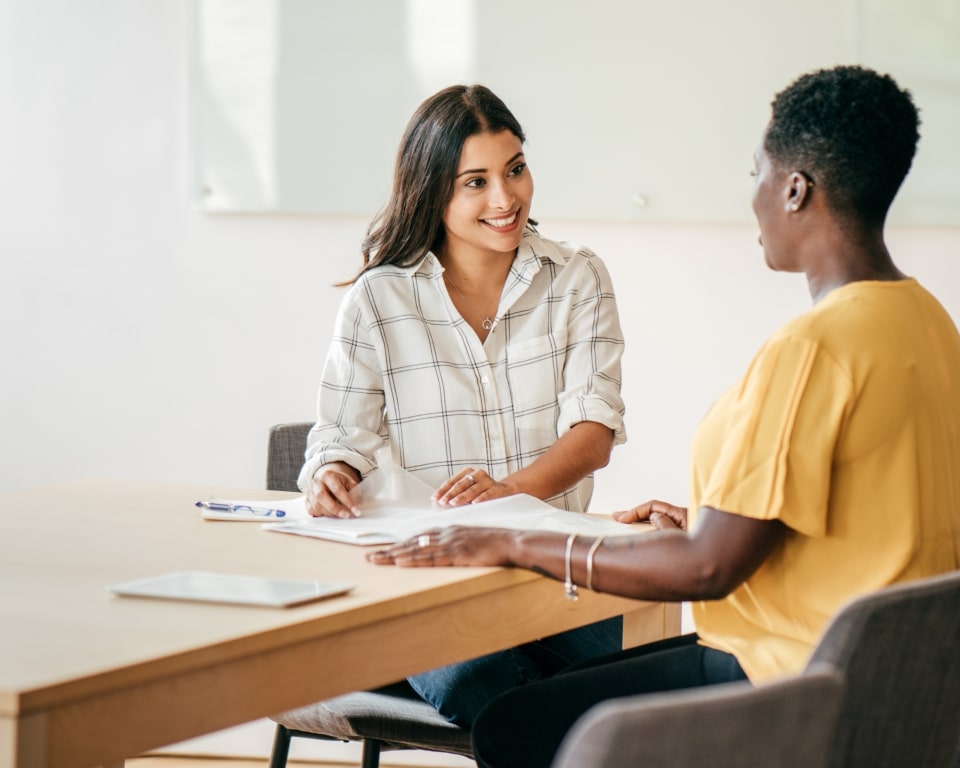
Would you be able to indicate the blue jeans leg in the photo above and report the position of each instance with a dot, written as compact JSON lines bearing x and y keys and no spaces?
{"x":459,"y":691}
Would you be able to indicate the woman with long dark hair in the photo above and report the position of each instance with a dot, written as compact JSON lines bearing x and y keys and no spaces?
{"x":484,"y":357}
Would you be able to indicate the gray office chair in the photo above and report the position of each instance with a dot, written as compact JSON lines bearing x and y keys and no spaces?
{"x":787,"y":724}
{"x":896,"y":652}
{"x":393,"y":717}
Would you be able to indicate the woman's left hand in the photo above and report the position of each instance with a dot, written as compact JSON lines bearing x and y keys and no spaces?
{"x":662,"y":515}
{"x":456,"y":545}
{"x":469,"y":486}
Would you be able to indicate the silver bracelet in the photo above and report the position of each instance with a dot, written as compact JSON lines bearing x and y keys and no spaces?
{"x":593,"y":550}
{"x":568,"y":586}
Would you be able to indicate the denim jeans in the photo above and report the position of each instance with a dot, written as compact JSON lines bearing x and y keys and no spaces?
{"x":459,"y":691}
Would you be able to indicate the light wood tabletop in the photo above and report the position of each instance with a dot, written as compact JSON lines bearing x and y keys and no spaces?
{"x":90,"y":678}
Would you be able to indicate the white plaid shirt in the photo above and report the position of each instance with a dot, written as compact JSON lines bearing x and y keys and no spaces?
{"x":405,"y":369}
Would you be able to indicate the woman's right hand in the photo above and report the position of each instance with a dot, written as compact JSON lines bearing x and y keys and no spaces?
{"x":329,"y":492}
{"x":453,"y":545}
{"x":659,"y":513}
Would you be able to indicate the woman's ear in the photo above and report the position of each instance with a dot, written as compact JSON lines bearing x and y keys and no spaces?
{"x":798,"y":190}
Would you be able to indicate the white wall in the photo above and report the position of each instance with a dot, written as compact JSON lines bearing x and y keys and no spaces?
{"x":141,"y":339}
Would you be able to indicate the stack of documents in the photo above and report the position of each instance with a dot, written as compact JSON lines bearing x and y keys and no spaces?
{"x":387,"y":524}
{"x":395,"y":505}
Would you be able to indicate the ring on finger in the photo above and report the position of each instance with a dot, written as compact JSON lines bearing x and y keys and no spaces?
{"x":423,"y":540}
{"x":470,"y":479}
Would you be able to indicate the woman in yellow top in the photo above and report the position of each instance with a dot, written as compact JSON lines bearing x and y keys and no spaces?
{"x":828,"y":471}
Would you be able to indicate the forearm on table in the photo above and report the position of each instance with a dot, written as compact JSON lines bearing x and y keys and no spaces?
{"x":707,"y":564}
{"x":584,"y":448}
{"x":660,"y":565}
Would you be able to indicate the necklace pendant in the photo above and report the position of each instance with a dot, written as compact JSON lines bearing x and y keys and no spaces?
{"x":487,"y":324}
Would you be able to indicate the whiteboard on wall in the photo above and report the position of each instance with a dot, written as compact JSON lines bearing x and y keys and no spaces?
{"x":634,"y":110}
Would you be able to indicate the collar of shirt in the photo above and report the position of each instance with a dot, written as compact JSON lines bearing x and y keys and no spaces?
{"x":531,"y":254}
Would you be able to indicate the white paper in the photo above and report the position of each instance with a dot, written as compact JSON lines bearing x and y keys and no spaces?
{"x":394,"y":505}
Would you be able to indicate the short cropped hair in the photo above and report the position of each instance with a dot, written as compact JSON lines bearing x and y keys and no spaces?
{"x":853,"y":131}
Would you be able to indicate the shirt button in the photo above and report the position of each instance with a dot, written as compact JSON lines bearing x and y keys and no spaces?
{"x":484,"y":379}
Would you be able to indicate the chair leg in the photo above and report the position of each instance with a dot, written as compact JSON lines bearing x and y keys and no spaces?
{"x":281,"y":747}
{"x":371,"y":754}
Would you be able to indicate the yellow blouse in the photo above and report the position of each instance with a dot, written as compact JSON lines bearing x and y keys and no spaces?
{"x":846,"y":428}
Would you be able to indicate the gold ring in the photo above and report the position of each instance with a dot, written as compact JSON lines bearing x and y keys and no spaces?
{"x":423,"y":540}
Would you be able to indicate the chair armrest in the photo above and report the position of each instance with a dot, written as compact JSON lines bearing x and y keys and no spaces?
{"x":787,"y":723}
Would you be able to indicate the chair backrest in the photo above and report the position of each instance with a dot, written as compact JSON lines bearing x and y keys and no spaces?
{"x":899,"y":650}
{"x":285,"y":447}
{"x":787,"y":724}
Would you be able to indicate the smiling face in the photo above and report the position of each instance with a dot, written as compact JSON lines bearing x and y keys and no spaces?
{"x":492,"y":192}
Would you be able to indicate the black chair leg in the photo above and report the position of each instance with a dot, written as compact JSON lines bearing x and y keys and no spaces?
{"x":371,"y":754}
{"x":281,"y":747}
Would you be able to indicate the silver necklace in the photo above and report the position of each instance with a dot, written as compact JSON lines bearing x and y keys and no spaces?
{"x":487,"y":322}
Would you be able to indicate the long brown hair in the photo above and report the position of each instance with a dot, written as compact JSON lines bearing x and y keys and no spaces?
{"x":411,"y":223}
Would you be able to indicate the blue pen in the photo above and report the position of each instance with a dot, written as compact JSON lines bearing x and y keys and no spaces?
{"x":241,"y":509}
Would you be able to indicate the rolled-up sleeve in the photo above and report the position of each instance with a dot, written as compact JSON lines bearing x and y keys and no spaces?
{"x":592,"y":368}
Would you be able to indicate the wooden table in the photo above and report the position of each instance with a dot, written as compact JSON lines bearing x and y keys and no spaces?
{"x":89,"y":678}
